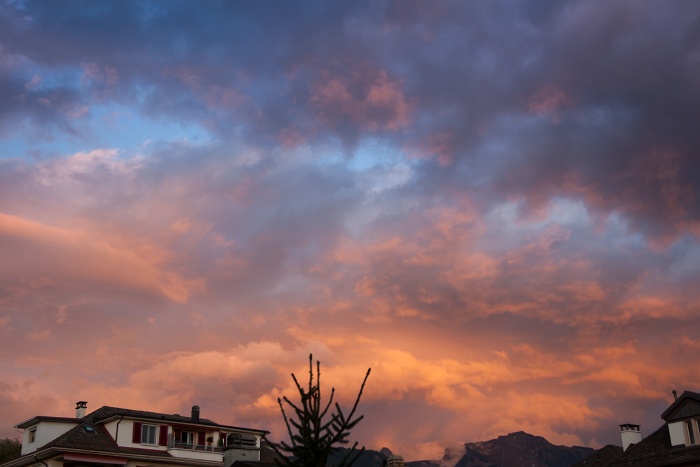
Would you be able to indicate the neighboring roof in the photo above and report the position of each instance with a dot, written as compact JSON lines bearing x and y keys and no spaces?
{"x":268,"y":454}
{"x":101,"y":442}
{"x":601,"y":458}
{"x":108,"y":413}
{"x":687,"y":405}
{"x":655,"y":450}
{"x":37,"y":419}
{"x":104,"y":414}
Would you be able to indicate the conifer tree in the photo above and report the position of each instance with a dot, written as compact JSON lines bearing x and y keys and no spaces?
{"x":313,"y":439}
{"x":9,"y":448}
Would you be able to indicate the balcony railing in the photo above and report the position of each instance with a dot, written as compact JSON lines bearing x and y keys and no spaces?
{"x":195,"y":447}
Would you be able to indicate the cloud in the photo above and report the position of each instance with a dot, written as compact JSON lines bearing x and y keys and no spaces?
{"x":495,"y":210}
{"x":27,"y":244}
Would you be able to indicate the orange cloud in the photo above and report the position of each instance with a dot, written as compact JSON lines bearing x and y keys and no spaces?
{"x":72,"y":256}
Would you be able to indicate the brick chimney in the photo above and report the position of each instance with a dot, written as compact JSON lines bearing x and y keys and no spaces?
{"x":195,"y":413}
{"x":80,"y":409}
{"x":630,"y":435}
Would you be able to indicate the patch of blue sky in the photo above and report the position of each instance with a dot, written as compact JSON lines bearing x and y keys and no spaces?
{"x":373,"y":152}
{"x":118,"y":126}
{"x":109,"y":126}
{"x":686,"y":254}
{"x":620,"y":236}
{"x":382,"y":165}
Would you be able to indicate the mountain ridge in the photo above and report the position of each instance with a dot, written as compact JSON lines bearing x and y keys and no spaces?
{"x":512,"y":450}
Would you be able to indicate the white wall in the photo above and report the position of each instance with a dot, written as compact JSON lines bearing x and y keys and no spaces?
{"x":675,"y":429}
{"x":45,"y":431}
{"x":126,"y":430}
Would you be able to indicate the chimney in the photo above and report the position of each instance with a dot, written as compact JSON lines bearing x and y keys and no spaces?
{"x":80,"y":409}
{"x":394,"y":461}
{"x":630,"y":435}
{"x":195,"y":413}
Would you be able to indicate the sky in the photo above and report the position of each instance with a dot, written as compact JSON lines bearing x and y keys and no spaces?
{"x":493,"y":204}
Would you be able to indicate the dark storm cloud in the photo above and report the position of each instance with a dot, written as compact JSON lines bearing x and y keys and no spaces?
{"x":588,"y":101}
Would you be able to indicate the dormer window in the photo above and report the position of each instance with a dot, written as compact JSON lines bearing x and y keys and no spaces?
{"x":692,"y":432}
{"x":32,"y":436}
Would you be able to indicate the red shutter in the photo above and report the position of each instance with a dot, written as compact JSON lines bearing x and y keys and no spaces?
{"x":163,"y":436}
{"x":136,"y":436}
{"x":200,"y":438}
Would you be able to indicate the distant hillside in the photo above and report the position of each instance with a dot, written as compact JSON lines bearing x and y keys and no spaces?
{"x":368,"y":458}
{"x":513,"y":450}
{"x":520,"y":448}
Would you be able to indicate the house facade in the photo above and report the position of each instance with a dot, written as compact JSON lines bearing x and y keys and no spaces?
{"x":676,"y":443}
{"x":117,"y":437}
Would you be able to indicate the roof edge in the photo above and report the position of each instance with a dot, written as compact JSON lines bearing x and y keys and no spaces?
{"x":44,"y":418}
{"x":687,"y":395}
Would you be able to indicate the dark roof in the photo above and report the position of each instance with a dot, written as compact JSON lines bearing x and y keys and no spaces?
{"x":268,"y":454}
{"x":41,"y":418}
{"x":601,"y":458}
{"x":107,"y":413}
{"x":687,"y":405}
{"x":100,"y":440}
{"x":655,"y":450}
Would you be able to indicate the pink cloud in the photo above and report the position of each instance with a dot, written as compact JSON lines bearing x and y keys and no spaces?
{"x":72,"y":256}
{"x":378,"y":105}
{"x":548,"y":100}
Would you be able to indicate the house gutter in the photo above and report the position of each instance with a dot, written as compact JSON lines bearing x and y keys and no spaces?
{"x":116,"y":435}
{"x":37,"y":459}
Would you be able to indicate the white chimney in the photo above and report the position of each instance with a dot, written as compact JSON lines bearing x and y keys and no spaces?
{"x":630,"y":435}
{"x":80,"y":409}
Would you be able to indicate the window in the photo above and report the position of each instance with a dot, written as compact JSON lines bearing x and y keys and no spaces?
{"x":692,"y":434}
{"x":32,"y":435}
{"x":187,"y":437}
{"x":148,"y":434}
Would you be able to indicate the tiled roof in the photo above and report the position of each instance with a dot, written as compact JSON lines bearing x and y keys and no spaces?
{"x":601,"y":458}
{"x":268,"y":454}
{"x":77,"y":438}
{"x":35,"y":420}
{"x":111,"y":412}
{"x":99,"y":440}
{"x":655,"y":450}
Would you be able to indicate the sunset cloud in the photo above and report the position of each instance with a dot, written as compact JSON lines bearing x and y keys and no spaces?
{"x":494,"y":209}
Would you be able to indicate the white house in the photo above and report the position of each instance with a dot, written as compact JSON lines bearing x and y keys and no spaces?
{"x":111,"y":436}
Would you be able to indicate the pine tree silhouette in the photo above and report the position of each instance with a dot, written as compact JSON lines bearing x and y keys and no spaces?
{"x":312,"y":438}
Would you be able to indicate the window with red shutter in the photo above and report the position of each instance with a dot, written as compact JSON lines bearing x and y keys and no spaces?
{"x":163,"y":436}
{"x":136,"y":435}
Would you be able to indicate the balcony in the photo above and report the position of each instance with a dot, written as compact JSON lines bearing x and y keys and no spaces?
{"x":195,"y":451}
{"x":195,"y":447}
